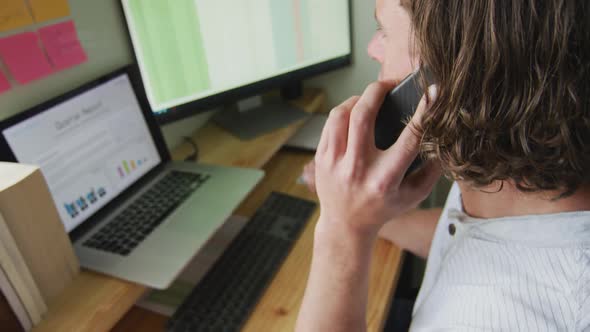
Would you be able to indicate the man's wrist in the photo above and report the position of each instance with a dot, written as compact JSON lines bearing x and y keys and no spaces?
{"x":334,"y":234}
{"x":348,"y":228}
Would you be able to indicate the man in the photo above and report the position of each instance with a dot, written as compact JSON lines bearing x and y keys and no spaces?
{"x":509,"y":121}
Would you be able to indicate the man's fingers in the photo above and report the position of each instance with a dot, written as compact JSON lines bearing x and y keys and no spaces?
{"x":349,"y":103}
{"x":404,"y":151}
{"x":362,"y":120}
{"x":418,"y":185}
{"x":323,"y":143}
{"x":407,"y":147}
{"x":335,"y":134}
{"x":309,"y":176}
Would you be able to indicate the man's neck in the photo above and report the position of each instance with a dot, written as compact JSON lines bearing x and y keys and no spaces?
{"x":488,"y":202}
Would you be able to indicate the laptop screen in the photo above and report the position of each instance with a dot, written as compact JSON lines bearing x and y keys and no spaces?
{"x":89,"y":148}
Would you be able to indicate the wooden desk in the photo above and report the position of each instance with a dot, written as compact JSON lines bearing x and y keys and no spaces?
{"x":94,"y":302}
{"x":278,"y":308}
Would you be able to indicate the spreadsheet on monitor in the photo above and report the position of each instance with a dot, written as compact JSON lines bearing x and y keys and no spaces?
{"x":191,"y":49}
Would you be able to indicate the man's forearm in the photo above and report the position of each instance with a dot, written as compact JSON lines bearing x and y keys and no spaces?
{"x":337,"y":290}
{"x":413,"y":231}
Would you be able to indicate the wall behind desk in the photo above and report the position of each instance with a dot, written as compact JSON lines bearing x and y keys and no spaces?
{"x":101,"y":29}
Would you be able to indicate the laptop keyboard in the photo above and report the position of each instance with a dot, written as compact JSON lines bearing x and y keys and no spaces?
{"x":126,"y":231}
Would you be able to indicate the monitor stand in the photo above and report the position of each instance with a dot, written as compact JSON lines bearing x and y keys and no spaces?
{"x":252,"y":118}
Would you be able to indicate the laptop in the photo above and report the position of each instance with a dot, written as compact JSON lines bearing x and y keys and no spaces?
{"x":130,"y":211}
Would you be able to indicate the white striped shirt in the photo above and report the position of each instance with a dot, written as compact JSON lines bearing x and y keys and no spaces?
{"x":528,"y":273}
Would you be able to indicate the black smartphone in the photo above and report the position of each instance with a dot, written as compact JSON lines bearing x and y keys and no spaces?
{"x":397,"y":108}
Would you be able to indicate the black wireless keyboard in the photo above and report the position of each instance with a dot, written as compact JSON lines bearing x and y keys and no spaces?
{"x":224,"y":298}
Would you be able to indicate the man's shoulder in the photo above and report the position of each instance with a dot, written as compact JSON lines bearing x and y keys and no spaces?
{"x":525,"y":285}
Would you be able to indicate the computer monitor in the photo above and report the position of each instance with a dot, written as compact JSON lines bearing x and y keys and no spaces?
{"x":195,"y":55}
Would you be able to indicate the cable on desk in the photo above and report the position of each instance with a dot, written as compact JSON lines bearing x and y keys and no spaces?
{"x":195,"y":155}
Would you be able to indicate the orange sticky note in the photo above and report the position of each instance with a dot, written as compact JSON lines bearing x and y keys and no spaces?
{"x":45,"y":10}
{"x":14,"y":14}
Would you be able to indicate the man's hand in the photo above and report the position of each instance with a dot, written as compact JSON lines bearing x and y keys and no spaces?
{"x":309,"y":176}
{"x":359,"y":186}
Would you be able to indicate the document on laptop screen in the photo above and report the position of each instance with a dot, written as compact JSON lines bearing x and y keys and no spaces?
{"x":89,"y":148}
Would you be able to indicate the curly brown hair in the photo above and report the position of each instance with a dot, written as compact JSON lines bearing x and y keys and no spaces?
{"x":513,"y":90}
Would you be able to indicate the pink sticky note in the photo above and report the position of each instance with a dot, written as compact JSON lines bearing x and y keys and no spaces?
{"x":62,"y":45}
{"x":23,"y":57}
{"x":4,"y":85}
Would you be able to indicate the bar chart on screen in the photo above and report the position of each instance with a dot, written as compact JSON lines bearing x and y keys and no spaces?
{"x":84,"y":201}
{"x":127,"y":167}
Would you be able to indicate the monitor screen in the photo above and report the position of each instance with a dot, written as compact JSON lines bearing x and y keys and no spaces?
{"x":192,"y":49}
{"x":89,"y":148}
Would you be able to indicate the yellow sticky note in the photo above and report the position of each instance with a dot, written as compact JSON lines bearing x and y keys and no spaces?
{"x":45,"y":10}
{"x":14,"y":14}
